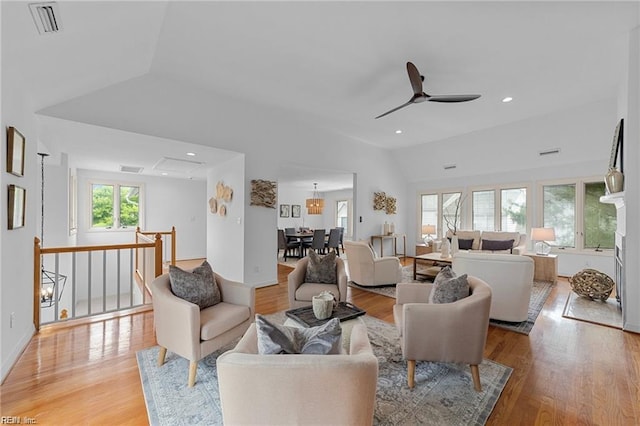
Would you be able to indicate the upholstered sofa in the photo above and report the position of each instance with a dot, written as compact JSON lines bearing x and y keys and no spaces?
{"x":298,"y":389}
{"x":509,"y":276}
{"x":490,"y":241}
{"x":367,"y":269}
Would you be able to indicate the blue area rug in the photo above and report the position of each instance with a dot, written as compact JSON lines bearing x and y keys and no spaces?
{"x":443,"y":394}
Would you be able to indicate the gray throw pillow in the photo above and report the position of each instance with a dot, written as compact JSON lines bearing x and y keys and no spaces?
{"x":280,"y":339}
{"x":448,"y":288}
{"x":321,"y":269}
{"x":198,"y":286}
{"x":497,"y":244}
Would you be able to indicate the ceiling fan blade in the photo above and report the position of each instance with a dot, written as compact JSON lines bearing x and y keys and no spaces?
{"x":414,"y":78}
{"x":395,"y":109}
{"x":452,"y":98}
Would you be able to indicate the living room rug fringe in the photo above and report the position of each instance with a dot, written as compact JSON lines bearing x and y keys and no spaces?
{"x":443,"y":394}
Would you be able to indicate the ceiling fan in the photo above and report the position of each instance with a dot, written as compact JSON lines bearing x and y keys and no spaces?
{"x":419,"y":96}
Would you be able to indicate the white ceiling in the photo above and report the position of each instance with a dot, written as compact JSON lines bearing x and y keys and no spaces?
{"x":339,"y":63}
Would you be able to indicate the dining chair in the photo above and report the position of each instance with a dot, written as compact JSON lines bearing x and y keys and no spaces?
{"x":341,"y":228}
{"x":317,"y":243}
{"x":286,"y":244}
{"x":334,"y":241}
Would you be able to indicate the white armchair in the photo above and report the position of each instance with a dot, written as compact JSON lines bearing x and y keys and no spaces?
{"x":298,"y":389}
{"x":509,"y":276}
{"x":184,"y":329}
{"x":367,"y":269}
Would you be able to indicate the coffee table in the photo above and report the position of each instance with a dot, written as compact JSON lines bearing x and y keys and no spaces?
{"x":434,"y":260}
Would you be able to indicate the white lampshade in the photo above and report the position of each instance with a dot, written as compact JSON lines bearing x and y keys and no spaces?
{"x":428,"y":229}
{"x":541,"y":235}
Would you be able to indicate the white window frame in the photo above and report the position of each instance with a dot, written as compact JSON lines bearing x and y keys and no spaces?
{"x":497,"y":192}
{"x":116,"y":205}
{"x":348,"y":229}
{"x":579,"y":208}
{"x":440,"y":226}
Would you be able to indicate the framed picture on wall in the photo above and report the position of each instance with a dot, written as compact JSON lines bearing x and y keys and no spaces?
{"x":17,"y":200}
{"x":15,"y":152}
{"x":284,"y":210}
{"x":295,"y":210}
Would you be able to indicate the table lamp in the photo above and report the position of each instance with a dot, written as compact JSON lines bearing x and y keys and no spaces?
{"x":542,"y":235}
{"x":428,"y":230}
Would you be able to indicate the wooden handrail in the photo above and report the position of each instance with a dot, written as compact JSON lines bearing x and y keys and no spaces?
{"x":39,"y":251}
{"x":172,"y":233}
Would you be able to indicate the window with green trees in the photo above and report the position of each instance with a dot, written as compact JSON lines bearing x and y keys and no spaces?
{"x":578,"y":217}
{"x":115,"y":206}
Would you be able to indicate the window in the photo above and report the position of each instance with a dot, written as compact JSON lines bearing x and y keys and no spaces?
{"x":114,"y":206}
{"x":429,"y":212}
{"x":483,"y":210}
{"x":343,"y":215}
{"x":580,"y":220}
{"x":451,"y":214}
{"x":513,"y":210}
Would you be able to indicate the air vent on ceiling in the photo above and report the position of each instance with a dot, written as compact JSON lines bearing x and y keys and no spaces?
{"x":449,"y":166}
{"x":46,"y":17}
{"x":131,"y":169}
{"x":175,"y":165}
{"x":549,"y":151}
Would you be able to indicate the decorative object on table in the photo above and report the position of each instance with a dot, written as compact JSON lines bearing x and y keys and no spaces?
{"x":542,"y":235}
{"x":295,"y":210}
{"x":284,"y":210}
{"x":614,"y":179}
{"x":344,"y":311}
{"x":427,"y":231}
{"x":213,"y":205}
{"x":452,"y":218}
{"x":379,"y":200}
{"x":315,"y":204}
{"x":263,"y":193}
{"x":592,"y":284}
{"x":323,"y":305}
{"x":390,"y":205}
{"x":386,"y":228}
{"x":446,"y":249}
{"x":455,"y":245}
{"x":15,"y":152}
{"x":16,"y":206}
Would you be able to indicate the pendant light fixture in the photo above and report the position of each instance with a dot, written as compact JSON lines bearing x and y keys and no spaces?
{"x":315,"y":204}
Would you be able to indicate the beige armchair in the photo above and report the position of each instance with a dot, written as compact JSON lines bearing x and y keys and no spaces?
{"x":366,"y":269}
{"x":298,"y":389}
{"x":301,"y":292}
{"x":184,"y":329}
{"x":448,"y":332}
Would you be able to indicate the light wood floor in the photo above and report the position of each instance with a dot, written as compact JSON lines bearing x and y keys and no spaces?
{"x":566,"y":372}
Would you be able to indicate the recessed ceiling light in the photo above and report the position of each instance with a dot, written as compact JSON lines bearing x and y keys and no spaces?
{"x":507,"y":99}
{"x":164,"y":173}
{"x":191,"y":154}
{"x":398,"y":131}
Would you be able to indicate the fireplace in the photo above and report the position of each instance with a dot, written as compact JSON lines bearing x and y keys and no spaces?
{"x":618,"y":258}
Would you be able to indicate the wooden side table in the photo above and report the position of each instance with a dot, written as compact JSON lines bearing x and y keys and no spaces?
{"x":395,"y":243}
{"x":423,"y":249}
{"x":545,"y":268}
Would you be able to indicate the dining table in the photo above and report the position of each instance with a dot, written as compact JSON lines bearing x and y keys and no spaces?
{"x":302,"y":237}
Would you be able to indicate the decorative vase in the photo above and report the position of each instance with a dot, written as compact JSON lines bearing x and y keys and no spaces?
{"x":454,"y":245}
{"x":614,"y":181}
{"x":446,"y":246}
{"x":323,"y":305}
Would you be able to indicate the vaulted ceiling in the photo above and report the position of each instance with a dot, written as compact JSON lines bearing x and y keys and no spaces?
{"x":339,"y":63}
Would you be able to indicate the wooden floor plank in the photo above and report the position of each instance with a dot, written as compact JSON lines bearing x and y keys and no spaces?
{"x":565,"y":371}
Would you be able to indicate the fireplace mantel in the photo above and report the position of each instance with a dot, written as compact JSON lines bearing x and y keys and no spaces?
{"x":616,"y":198}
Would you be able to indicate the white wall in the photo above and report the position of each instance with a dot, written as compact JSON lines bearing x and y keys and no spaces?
{"x":269,"y":137}
{"x":16,"y":246}
{"x":288,"y":194}
{"x":225,"y":234}
{"x":509,"y":154}
{"x":167,"y":202}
